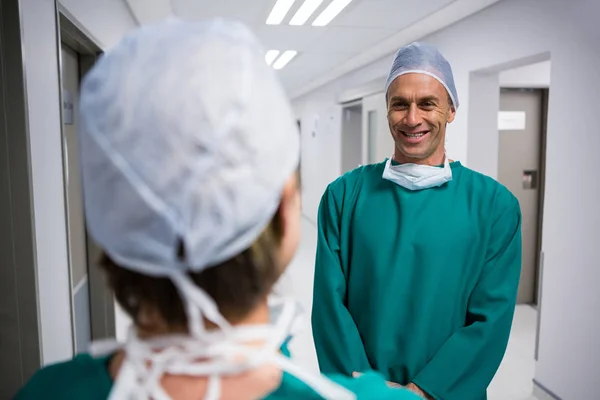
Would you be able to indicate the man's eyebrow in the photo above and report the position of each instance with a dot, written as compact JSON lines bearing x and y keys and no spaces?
{"x":429,"y":98}
{"x":397,"y":99}
{"x":421,"y":99}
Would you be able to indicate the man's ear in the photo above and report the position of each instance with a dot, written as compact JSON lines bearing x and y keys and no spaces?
{"x":451,"y":114}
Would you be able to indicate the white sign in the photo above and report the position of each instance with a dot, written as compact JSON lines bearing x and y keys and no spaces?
{"x":68,"y":108}
{"x":511,"y":120}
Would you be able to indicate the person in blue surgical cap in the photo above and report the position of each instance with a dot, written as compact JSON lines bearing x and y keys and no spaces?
{"x":189,"y":154}
{"x":418,"y":258}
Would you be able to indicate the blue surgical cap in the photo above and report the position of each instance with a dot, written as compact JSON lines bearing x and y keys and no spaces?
{"x":424,"y":59}
{"x":187,"y":138}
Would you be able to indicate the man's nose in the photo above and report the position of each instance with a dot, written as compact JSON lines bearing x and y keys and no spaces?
{"x":412,"y":117}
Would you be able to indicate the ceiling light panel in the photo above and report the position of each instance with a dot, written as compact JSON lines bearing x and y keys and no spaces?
{"x":271,"y":56}
{"x":332,"y":11}
{"x":279,"y":11}
{"x":305,"y":11}
{"x":285,"y":58}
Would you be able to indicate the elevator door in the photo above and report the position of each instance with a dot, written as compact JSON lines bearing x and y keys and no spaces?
{"x":77,"y":237}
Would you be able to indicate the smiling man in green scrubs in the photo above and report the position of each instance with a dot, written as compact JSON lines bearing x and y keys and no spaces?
{"x":418,"y":257}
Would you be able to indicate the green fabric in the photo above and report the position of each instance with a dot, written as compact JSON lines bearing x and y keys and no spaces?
{"x":81,"y":378}
{"x":417,"y":285}
{"x":369,"y":386}
{"x":394,"y":162}
{"x":87,"y":378}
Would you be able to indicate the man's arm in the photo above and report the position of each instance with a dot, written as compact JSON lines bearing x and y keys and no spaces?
{"x":337,"y":341}
{"x":464,"y":366}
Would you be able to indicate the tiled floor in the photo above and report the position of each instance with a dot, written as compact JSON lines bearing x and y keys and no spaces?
{"x":514,"y":378}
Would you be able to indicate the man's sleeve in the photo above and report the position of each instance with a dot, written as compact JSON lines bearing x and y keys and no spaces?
{"x":464,"y":366}
{"x":371,"y":385}
{"x":337,"y":341}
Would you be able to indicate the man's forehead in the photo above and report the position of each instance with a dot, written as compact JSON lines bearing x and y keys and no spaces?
{"x":416,"y":84}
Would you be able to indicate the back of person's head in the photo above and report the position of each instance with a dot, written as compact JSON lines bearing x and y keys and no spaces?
{"x":237,"y":285}
{"x":189,"y":155}
{"x":188,"y":145}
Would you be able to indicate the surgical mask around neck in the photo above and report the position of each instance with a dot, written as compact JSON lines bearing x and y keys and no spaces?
{"x":210,"y":354}
{"x":417,"y":176}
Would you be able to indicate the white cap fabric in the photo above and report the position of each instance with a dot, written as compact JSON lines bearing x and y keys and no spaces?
{"x":186,"y":137}
{"x":425,"y":59}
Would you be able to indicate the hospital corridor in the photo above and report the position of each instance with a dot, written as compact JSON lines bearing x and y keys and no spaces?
{"x":299,"y":199}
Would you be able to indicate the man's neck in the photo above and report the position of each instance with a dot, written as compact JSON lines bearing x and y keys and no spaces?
{"x":437,"y":158}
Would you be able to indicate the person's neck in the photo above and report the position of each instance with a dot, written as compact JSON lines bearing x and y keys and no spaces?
{"x":258,"y":316}
{"x":436,"y":158}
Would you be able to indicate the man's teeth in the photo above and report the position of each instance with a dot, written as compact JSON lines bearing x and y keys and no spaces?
{"x":414,"y":135}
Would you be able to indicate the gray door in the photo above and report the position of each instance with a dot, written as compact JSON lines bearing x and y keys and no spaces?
{"x":93,"y":303}
{"x":519,"y":168}
{"x":76,"y":231}
{"x":378,"y":140}
{"x":351,"y":137}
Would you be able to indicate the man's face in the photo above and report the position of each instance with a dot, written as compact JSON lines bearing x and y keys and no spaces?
{"x":418,"y":110}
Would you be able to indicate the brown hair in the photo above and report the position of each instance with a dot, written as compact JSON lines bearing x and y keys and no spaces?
{"x":236,"y":285}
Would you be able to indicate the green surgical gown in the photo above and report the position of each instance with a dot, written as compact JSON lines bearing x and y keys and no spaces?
{"x":87,"y":378}
{"x":417,"y":285}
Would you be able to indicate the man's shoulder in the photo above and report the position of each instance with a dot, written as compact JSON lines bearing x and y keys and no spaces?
{"x":81,"y":377}
{"x":356,"y":177}
{"x":495,"y":194}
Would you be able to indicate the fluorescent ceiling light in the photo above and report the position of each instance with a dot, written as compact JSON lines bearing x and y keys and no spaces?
{"x":332,"y":10}
{"x":305,"y":11}
{"x":279,"y":11}
{"x":271,"y":56}
{"x":285,"y":58}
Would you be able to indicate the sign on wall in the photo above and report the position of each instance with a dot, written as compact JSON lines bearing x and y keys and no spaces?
{"x":511,"y":120}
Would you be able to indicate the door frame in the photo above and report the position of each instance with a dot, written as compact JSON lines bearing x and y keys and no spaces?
{"x":101,"y":299}
{"x":541,"y":194}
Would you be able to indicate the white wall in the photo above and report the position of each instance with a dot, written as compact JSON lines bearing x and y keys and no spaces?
{"x":107,"y":20}
{"x":535,"y":75}
{"x":483,"y":109}
{"x":517,"y":30}
{"x":40,"y":48}
{"x":321,"y":140}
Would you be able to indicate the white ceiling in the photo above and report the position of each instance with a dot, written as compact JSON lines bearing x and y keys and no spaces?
{"x":364,"y":31}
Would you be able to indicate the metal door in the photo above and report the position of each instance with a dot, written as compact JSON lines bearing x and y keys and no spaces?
{"x":76,"y":231}
{"x":520,"y":124}
{"x":352,"y":142}
{"x":377,"y":140}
